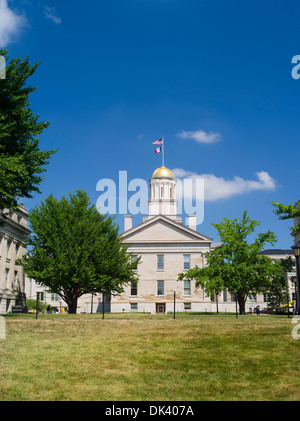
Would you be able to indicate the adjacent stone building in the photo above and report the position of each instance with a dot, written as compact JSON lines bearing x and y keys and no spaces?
{"x":13,"y":230}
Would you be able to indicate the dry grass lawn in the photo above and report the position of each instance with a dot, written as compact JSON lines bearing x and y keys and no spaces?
{"x":148,"y":357}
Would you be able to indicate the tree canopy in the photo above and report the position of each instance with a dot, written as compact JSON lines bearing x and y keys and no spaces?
{"x":236,"y":265}
{"x":279,"y":289}
{"x":21,"y":160}
{"x":75,"y":250}
{"x":288,"y":212}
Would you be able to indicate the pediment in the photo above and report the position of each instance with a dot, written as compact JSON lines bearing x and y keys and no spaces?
{"x":161,"y":229}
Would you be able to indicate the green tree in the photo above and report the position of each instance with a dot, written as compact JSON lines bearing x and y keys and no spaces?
{"x":76,"y":250}
{"x":288,"y":212}
{"x":236,"y":265}
{"x":21,"y":160}
{"x":279,"y":289}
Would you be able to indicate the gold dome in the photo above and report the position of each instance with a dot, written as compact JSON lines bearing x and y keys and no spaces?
{"x":163,"y":172}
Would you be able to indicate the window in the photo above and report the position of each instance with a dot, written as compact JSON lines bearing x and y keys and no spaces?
{"x":233,"y":298}
{"x":16,"y":280}
{"x":40,"y":296}
{"x":54,"y":296}
{"x":6,"y":278}
{"x":172,"y":192}
{"x":160,"y":288}
{"x":187,"y":288}
{"x":17,"y":250}
{"x":265,"y":298}
{"x":186,"y":261}
{"x":134,"y":258}
{"x":225,"y":295}
{"x":8,"y":244}
{"x":252,"y":298}
{"x":133,"y":288}
{"x":160,"y":262}
{"x":187,"y":306}
{"x":133,"y":306}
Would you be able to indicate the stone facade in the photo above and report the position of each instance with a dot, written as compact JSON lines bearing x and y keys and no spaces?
{"x":166,"y":248}
{"x":12,"y":245}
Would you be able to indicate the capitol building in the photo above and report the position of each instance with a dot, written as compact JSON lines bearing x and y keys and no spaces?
{"x":165,"y":246}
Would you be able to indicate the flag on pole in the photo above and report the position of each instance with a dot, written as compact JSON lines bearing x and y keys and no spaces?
{"x":157,"y":150}
{"x":158,"y":142}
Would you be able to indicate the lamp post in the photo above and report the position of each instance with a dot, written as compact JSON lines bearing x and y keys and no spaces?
{"x":174,"y":304}
{"x":294,"y":279}
{"x":103,"y":305}
{"x":37,"y":305}
{"x":296,"y":251}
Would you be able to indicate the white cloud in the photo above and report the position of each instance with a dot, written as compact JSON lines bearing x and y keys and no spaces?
{"x":216,"y":188}
{"x":11,"y":23}
{"x":51,"y":14}
{"x":200,"y":136}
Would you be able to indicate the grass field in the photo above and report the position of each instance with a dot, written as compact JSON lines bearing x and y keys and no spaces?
{"x":144,"y":357}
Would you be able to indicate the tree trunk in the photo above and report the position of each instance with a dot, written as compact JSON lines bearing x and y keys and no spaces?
{"x":72,"y":304}
{"x":242,"y":301}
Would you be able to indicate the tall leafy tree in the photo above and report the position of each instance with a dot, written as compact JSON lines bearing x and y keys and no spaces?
{"x":288,"y":212}
{"x":21,"y":160}
{"x":236,"y":265}
{"x":278,"y":293}
{"x":75,"y":250}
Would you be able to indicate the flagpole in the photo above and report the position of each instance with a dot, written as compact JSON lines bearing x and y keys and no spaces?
{"x":163,"y":151}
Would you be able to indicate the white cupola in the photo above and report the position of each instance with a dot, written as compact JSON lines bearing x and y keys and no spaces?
{"x":162,"y":193}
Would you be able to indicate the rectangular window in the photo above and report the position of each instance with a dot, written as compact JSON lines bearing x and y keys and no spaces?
{"x":160,"y":262}
{"x":265,"y":298}
{"x":16,"y":280}
{"x":225,"y":295}
{"x":186,"y":261}
{"x":133,"y":288}
{"x":252,"y":298}
{"x":172,"y":192}
{"x":6,"y":278}
{"x":133,"y":306}
{"x":160,"y":287}
{"x":187,"y":288}
{"x":17,"y":250}
{"x":233,"y":298}
{"x":8,"y":245}
{"x":40,"y":296}
{"x":134,"y":260}
{"x":187,"y":306}
{"x":54,"y":296}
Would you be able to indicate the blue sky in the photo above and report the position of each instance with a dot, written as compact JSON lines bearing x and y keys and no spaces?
{"x":213,"y":77}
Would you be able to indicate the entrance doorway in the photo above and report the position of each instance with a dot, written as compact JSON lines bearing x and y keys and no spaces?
{"x":160,"y":308}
